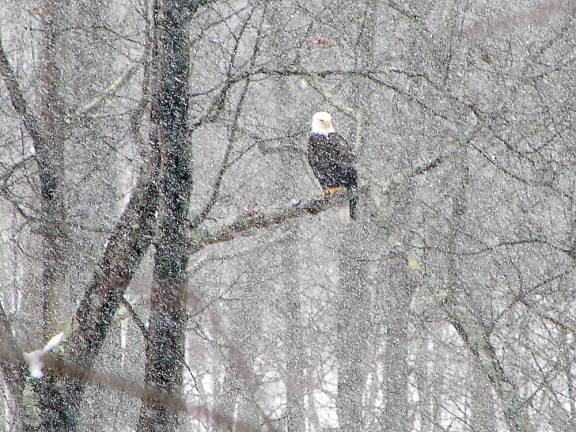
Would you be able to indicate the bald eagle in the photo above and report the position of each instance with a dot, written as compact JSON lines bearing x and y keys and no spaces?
{"x":332,"y":159}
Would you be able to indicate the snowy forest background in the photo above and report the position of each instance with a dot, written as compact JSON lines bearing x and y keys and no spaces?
{"x":152,"y":152}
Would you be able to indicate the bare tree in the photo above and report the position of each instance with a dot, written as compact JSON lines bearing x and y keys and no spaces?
{"x":169,"y":105}
{"x":165,"y":225}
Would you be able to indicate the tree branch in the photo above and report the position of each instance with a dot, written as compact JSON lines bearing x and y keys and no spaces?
{"x":452,"y":118}
{"x":194,"y":5}
{"x":478,"y":341}
{"x":233,"y":129}
{"x":562,"y":326}
{"x":404,"y":12}
{"x":133,"y":388}
{"x":134,"y":315}
{"x":120,"y":82}
{"x":406,"y":174}
{"x":31,"y":122}
{"x":124,"y":251}
{"x":201,"y":237}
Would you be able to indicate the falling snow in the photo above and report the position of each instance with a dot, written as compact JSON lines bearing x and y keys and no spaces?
{"x":168,"y":261}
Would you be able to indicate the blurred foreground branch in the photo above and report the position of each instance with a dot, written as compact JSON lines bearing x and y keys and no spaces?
{"x":123,"y":385}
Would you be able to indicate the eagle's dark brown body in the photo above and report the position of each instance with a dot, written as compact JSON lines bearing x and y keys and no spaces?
{"x":332,"y":161}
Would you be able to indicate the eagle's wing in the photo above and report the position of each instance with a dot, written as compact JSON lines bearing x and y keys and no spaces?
{"x":346,"y":155}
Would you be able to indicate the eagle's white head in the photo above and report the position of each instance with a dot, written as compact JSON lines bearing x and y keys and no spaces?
{"x":322,"y":123}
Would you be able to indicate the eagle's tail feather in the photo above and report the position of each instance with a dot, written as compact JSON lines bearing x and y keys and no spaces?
{"x":353,"y":203}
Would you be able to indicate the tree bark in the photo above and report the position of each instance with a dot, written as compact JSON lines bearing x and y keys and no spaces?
{"x":50,"y":159}
{"x":227,"y":396}
{"x":400,"y":290}
{"x":291,"y":286}
{"x":55,"y":243}
{"x":12,"y":372}
{"x":295,"y":419}
{"x":483,"y":415}
{"x":470,"y":328}
{"x":124,"y":252}
{"x":353,"y":303}
{"x":354,"y":296}
{"x":165,"y":340}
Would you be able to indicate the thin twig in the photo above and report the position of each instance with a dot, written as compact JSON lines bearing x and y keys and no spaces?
{"x":31,"y":122}
{"x":139,"y":323}
{"x":108,"y":92}
{"x":233,"y":128}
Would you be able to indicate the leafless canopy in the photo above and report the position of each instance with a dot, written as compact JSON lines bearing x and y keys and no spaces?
{"x":168,"y":263}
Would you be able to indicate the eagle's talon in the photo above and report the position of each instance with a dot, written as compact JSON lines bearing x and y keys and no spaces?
{"x":330,"y":191}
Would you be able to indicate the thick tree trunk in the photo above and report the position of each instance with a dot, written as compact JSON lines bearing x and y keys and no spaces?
{"x":354,"y":297}
{"x":395,"y":298}
{"x":165,"y":341}
{"x":124,"y":252}
{"x":295,"y":420}
{"x":236,"y":398}
{"x":396,"y":371}
{"x":430,"y":387}
{"x":483,"y":415}
{"x":227,"y":396}
{"x":353,"y":330}
{"x":50,"y":159}
{"x":293,"y":336}
{"x":11,"y":373}
{"x":469,"y":327}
